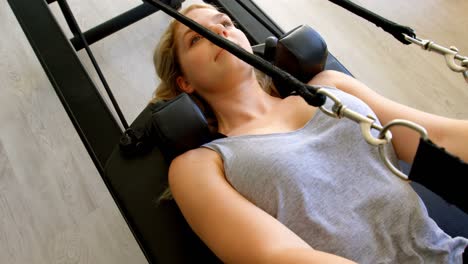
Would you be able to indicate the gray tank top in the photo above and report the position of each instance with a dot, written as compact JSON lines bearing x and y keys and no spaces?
{"x":330,"y":187}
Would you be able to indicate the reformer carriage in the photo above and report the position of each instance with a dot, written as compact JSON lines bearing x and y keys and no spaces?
{"x":133,"y":163}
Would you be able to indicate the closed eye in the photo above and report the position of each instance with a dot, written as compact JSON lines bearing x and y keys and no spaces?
{"x":227,"y":23}
{"x":194,"y":39}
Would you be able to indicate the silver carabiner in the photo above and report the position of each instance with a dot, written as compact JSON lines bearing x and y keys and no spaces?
{"x":366,"y":123}
{"x":450,"y":54}
{"x":383,"y":155}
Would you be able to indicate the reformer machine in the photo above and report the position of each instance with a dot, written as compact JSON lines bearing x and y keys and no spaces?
{"x":133,"y":165}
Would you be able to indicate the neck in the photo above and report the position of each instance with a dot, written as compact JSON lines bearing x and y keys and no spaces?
{"x":240,"y":104}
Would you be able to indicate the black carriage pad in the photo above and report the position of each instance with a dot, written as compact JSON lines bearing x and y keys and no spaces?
{"x":137,"y":179}
{"x":161,"y":230}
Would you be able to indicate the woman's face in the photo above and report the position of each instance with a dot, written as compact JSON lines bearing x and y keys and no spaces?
{"x":205,"y":66}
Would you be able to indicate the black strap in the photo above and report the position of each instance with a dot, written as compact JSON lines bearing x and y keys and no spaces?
{"x":308,"y":92}
{"x":442,"y":173}
{"x":68,"y":14}
{"x":393,"y":28}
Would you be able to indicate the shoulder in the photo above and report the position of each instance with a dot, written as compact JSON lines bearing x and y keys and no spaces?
{"x":196,"y":160}
{"x":196,"y":157}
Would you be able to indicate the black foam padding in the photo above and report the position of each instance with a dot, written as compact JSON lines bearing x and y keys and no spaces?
{"x":302,"y":52}
{"x":180,"y":126}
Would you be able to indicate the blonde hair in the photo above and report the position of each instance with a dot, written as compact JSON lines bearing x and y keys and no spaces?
{"x":166,"y":62}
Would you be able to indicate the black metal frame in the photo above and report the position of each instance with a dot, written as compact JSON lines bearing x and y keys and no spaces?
{"x":93,"y":120}
{"x":80,"y":97}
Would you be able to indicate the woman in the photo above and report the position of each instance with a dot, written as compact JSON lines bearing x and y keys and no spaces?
{"x":289,"y":184}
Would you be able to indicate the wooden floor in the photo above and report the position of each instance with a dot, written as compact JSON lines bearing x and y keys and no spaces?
{"x":54,"y":207}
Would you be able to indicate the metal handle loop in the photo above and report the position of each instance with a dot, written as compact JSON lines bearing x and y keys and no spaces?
{"x":383,"y":155}
{"x":450,"y":60}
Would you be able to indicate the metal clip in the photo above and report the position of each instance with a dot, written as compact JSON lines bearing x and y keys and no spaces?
{"x":383,"y":155}
{"x":450,"y":54}
{"x":366,"y":123}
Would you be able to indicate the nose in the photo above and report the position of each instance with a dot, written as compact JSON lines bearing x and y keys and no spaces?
{"x":219,"y":29}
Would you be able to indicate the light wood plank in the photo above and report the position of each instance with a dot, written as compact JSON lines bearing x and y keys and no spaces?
{"x":49,"y":185}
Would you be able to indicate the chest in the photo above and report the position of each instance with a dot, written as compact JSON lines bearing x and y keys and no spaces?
{"x":326,"y":159}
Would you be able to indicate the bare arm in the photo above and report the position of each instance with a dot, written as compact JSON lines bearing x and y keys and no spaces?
{"x":445,"y":132}
{"x":232,"y":227}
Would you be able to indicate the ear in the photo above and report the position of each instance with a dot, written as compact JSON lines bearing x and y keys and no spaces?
{"x":184,"y":85}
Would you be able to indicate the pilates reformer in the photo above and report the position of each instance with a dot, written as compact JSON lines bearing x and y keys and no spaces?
{"x":135,"y":169}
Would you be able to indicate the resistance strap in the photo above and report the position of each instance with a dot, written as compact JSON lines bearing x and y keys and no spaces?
{"x":308,"y":92}
{"x":393,"y":28}
{"x":455,"y":61}
{"x":442,"y":173}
